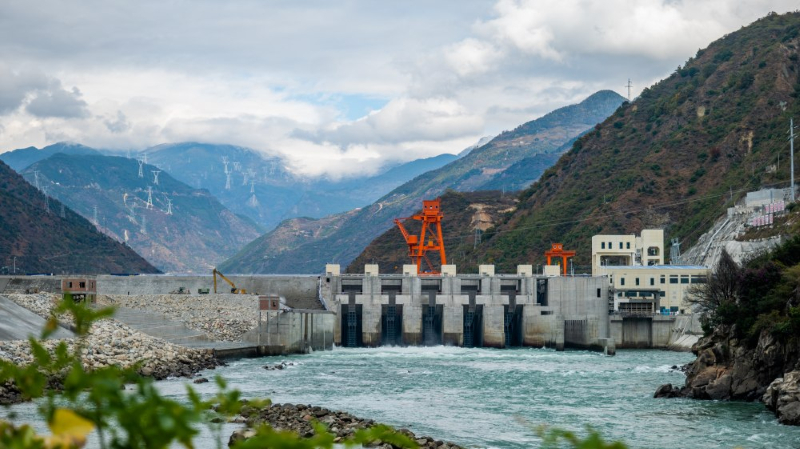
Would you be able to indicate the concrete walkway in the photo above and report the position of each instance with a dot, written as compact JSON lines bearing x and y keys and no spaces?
{"x":19,"y":323}
{"x":176,"y":332}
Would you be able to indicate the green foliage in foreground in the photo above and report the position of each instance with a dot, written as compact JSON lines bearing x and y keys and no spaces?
{"x":128,"y":412}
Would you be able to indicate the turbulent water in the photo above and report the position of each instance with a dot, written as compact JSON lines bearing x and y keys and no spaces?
{"x":495,"y":398}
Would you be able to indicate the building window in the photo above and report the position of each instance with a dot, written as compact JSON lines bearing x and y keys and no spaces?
{"x":602,"y":245}
{"x":652,"y":251}
{"x":620,"y":245}
{"x":627,"y":245}
{"x":684,"y":279}
{"x":609,"y":245}
{"x":598,"y":292}
{"x":83,"y":284}
{"x":663,"y":279}
{"x":699,"y":280}
{"x":621,"y":281}
{"x":70,"y":284}
{"x":673,"y":279}
{"x":637,"y":281}
{"x":652,"y":281}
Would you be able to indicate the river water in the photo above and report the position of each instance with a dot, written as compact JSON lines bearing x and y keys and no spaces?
{"x":495,"y":398}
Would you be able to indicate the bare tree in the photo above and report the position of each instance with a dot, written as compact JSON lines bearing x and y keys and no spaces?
{"x":721,"y":288}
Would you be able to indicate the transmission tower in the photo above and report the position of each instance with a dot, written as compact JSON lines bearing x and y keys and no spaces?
{"x":478,"y":234}
{"x":63,"y":212}
{"x":141,"y":165}
{"x":227,"y":180}
{"x":143,"y":228}
{"x":149,"y":197}
{"x":155,"y":176}
{"x":169,"y":206}
{"x":629,"y":85}
{"x":225,"y":161}
{"x":145,"y":158}
{"x":252,"y":186}
{"x":95,"y":216}
{"x":46,"y":200}
{"x":237,"y":166}
{"x":253,"y":201}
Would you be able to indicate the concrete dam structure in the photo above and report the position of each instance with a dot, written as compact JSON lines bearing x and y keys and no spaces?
{"x":470,"y":310}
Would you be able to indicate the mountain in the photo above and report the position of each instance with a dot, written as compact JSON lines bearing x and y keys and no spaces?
{"x":184,"y":230}
{"x":676,"y":157}
{"x":24,"y":157}
{"x":38,"y":240}
{"x":262,"y":188}
{"x":352,"y":233}
{"x":464,"y":212}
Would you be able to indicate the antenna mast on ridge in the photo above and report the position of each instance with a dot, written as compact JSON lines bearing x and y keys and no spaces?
{"x":629,"y":85}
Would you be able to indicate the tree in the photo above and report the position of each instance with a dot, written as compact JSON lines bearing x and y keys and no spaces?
{"x":721,"y":289}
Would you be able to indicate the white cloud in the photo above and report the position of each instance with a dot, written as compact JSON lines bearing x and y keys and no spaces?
{"x":257,"y":73}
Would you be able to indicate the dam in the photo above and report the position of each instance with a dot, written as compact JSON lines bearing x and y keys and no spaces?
{"x":369,"y":309}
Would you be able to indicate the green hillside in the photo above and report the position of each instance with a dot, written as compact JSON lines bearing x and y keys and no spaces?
{"x":349,"y":234}
{"x":675,"y":157}
{"x":198,"y":233}
{"x":35,"y":238}
{"x":463,"y":213}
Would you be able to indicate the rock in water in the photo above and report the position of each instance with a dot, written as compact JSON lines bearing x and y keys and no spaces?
{"x":783,"y":398}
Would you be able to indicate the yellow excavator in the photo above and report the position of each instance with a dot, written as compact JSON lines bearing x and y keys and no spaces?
{"x":238,"y":291}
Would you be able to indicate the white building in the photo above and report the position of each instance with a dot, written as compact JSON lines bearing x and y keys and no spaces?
{"x":627,"y":250}
{"x":653,"y":289}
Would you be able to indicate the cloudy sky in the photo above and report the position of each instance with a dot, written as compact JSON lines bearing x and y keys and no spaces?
{"x":336,"y":87}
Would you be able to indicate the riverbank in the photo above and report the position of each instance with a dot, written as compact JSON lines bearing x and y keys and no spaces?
{"x":108,"y":343}
{"x":300,"y":418}
{"x":727,"y":368}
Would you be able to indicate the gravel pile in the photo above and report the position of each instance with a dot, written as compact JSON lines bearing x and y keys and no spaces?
{"x":109,"y":343}
{"x":38,"y":303}
{"x":223,"y":317}
{"x":299,"y":419}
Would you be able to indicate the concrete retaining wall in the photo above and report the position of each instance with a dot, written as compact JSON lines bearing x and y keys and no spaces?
{"x":295,"y":331}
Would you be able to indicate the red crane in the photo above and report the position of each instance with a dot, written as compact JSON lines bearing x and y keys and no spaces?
{"x":417,"y":245}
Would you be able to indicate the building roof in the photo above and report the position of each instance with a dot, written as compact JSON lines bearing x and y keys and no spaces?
{"x":655,"y":267}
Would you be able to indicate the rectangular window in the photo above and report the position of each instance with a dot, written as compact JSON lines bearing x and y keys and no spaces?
{"x":652,"y":281}
{"x":620,"y":245}
{"x":598,"y":292}
{"x":637,"y":281}
{"x":83,"y":284}
{"x":627,"y":245}
{"x":609,"y":245}
{"x":70,"y":284}
{"x":602,"y":245}
{"x":621,"y":281}
{"x":684,"y":279}
{"x":663,"y":279}
{"x":699,"y":280}
{"x":673,"y":279}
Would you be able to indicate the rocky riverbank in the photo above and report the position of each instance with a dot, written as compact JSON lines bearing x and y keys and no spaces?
{"x":727,"y":368}
{"x":108,"y":343}
{"x":223,"y":317}
{"x":299,"y":418}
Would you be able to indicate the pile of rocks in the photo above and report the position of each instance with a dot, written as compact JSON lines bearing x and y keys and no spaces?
{"x":223,"y":317}
{"x":112,"y":343}
{"x":299,"y":419}
{"x":783,"y":398}
{"x":39,"y":303}
{"x":109,"y":342}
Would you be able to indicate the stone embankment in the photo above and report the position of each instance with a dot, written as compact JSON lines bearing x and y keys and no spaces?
{"x":223,"y":317}
{"x":299,"y":419}
{"x":729,"y":369}
{"x":108,"y":343}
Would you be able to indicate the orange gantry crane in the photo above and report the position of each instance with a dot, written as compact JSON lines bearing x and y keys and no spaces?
{"x":418,"y":246}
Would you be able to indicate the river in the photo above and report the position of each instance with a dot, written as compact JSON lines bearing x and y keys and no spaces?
{"x":495,"y":398}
